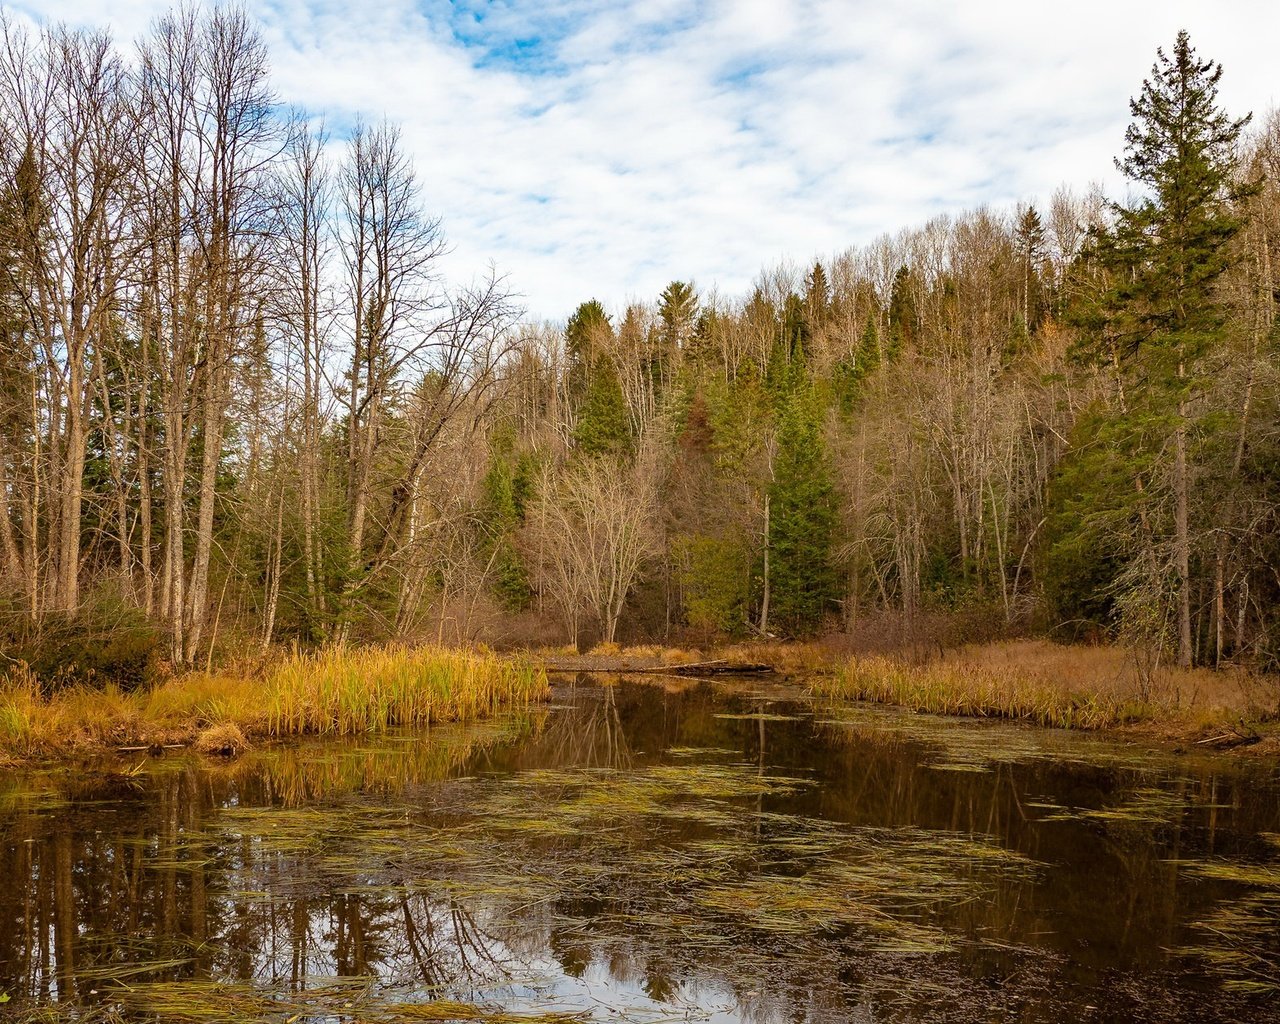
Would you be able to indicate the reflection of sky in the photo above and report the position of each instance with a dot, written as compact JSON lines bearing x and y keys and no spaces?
{"x":601,"y":992}
{"x":601,"y":148}
{"x":476,"y":966}
{"x":526,"y":875}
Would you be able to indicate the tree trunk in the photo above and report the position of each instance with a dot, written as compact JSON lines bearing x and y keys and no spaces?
{"x":1181,"y":538}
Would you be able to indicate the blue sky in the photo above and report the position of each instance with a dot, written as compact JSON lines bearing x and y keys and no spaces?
{"x":602,"y":149}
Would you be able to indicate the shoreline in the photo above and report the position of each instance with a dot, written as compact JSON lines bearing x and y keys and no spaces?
{"x":1082,"y":688}
{"x":360,"y":691}
{"x":337,"y":691}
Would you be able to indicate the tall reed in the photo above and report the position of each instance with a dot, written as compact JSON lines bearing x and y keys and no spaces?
{"x":333,"y":691}
{"x":345,"y":691}
{"x":978,"y":691}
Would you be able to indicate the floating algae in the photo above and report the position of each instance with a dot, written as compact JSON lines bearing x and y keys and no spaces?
{"x":351,"y":1001}
{"x":1241,"y":936}
{"x":638,"y":857}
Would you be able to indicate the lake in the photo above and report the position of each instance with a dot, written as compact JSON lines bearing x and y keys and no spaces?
{"x":653,"y":852}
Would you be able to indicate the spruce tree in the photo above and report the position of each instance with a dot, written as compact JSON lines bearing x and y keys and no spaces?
{"x":902,"y":315}
{"x":584,"y":336}
{"x":802,"y":518}
{"x":603,"y":428}
{"x":1166,"y":253}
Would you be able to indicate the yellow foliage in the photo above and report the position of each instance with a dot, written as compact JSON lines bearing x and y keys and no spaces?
{"x":336,"y":690}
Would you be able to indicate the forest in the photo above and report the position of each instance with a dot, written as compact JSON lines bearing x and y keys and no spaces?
{"x":241,"y":406}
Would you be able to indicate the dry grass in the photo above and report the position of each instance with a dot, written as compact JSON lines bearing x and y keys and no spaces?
{"x":343,"y":691}
{"x":807,"y":659}
{"x":224,"y":740}
{"x":335,"y":691}
{"x":1049,"y":684}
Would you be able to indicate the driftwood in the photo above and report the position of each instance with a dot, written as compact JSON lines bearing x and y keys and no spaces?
{"x":719,"y":666}
{"x":1231,"y":739}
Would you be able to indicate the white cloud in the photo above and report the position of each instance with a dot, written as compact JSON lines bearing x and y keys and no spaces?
{"x":644,"y":140}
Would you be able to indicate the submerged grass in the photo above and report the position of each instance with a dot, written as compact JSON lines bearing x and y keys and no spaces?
{"x":337,"y":691}
{"x":1240,"y":934}
{"x":206,"y":1002}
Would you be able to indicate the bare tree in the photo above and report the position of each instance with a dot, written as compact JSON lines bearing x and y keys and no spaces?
{"x":590,"y":534}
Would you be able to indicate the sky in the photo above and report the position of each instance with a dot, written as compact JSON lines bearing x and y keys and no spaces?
{"x":592,"y":149}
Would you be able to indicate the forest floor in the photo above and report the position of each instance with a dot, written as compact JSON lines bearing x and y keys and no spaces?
{"x":1029,"y":680}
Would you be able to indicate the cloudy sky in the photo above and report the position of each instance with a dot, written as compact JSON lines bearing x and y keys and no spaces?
{"x":590,"y":148}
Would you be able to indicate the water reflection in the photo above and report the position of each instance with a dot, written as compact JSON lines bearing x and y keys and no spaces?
{"x":639,"y":852}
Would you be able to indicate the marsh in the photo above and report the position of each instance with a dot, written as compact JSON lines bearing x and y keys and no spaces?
{"x":650,"y":851}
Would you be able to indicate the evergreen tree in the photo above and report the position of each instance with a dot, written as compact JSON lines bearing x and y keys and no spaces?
{"x":1166,"y":253}
{"x":602,"y":427}
{"x":802,"y":519}
{"x":503,"y":494}
{"x":902,"y":316}
{"x":678,"y":309}
{"x":584,"y":338}
{"x":1030,"y":244}
{"x":797,"y":330}
{"x":817,"y":296}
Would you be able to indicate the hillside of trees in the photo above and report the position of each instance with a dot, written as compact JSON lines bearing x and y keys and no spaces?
{"x":239,"y":405}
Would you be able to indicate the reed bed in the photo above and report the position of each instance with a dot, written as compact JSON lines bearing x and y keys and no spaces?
{"x":977,"y":690}
{"x":345,"y":692}
{"x":337,"y":691}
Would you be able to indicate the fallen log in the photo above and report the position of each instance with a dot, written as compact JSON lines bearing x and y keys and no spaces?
{"x":718,"y":666}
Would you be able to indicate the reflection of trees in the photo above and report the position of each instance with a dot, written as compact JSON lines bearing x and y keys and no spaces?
{"x":349,"y":860}
{"x":592,"y":736}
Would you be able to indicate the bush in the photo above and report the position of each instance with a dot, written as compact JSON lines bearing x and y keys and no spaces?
{"x":108,"y":641}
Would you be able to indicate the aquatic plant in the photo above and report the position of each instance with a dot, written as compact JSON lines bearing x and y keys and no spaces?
{"x":1240,"y":934}
{"x":338,"y":690}
{"x":979,"y":691}
{"x":345,"y":691}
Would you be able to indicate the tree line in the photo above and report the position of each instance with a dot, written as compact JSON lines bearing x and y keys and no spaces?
{"x":239,"y":405}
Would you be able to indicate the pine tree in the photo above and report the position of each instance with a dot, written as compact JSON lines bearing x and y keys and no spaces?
{"x":602,"y":427}
{"x":802,"y":519}
{"x":1166,"y":253}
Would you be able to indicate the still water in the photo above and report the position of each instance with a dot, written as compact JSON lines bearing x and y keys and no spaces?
{"x":654,"y":853}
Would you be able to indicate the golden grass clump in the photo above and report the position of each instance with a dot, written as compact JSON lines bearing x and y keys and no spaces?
{"x":335,"y":691}
{"x":957,"y":688}
{"x":345,"y":691}
{"x":224,"y":740}
{"x":1049,"y":684}
{"x":801,"y":659}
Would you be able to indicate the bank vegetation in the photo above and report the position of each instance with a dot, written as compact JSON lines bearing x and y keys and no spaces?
{"x":241,"y":408}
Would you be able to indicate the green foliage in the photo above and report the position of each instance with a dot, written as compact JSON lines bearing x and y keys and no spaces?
{"x":584,"y":338}
{"x":1152,"y":317}
{"x":817,"y":295}
{"x":903,"y":315}
{"x":855,"y":367}
{"x":713,"y":579}
{"x":603,"y":427}
{"x":797,"y":331}
{"x":678,"y":310}
{"x":1094,"y":514}
{"x":108,"y":641}
{"x":802,"y":519}
{"x":504,"y":492}
{"x":1166,"y":251}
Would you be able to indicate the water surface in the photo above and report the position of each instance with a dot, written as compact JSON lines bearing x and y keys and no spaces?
{"x":651,"y":852}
